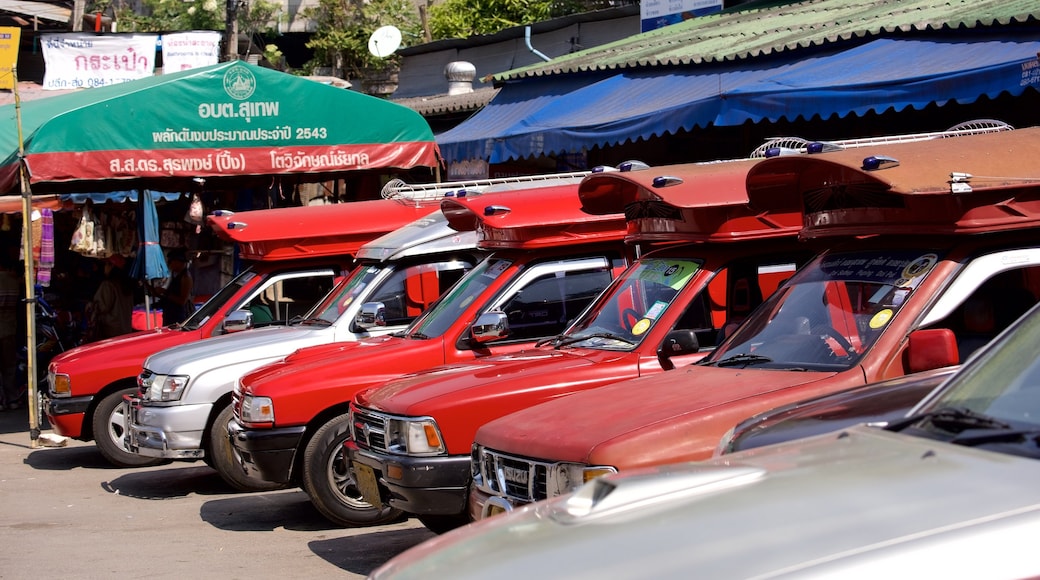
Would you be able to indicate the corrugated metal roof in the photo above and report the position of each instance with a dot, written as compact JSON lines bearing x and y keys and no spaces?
{"x":445,"y":103}
{"x":42,"y":10}
{"x":745,"y":34}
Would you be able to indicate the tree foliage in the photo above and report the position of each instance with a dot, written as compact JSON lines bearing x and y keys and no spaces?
{"x":465,"y":18}
{"x":171,"y":15}
{"x":344,"y":27}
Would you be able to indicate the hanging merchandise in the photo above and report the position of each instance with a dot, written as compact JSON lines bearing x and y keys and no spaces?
{"x":46,"y":263}
{"x":83,"y":236}
{"x":196,"y":213}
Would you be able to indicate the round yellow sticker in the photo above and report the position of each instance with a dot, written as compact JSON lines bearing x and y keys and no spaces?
{"x":881,"y":318}
{"x":641,"y":326}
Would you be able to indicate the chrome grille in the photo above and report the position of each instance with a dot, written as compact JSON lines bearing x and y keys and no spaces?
{"x":368,"y":429}
{"x":515,"y":477}
{"x":236,"y":404}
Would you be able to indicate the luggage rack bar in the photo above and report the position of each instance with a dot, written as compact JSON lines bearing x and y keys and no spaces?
{"x":421,"y":192}
{"x":797,"y":146}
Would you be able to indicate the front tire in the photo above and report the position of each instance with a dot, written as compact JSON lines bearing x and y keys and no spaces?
{"x":222,"y":457}
{"x":330,"y":484}
{"x":109,"y":425}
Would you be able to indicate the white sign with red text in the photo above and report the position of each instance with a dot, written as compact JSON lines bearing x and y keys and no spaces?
{"x":188,"y":50}
{"x":76,"y":61}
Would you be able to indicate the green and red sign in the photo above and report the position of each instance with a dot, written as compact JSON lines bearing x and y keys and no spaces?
{"x":228,"y":119}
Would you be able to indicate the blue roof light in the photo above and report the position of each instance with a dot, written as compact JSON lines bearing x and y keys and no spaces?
{"x":666,"y":181}
{"x":875,"y":162}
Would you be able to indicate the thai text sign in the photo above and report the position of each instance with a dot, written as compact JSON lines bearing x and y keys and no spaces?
{"x":10,"y":36}
{"x":188,"y":50}
{"x":76,"y":61}
{"x":655,"y":14}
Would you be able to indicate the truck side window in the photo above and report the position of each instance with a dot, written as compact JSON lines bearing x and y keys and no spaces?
{"x":549,"y":303}
{"x":411,"y":290}
{"x":289,"y":298}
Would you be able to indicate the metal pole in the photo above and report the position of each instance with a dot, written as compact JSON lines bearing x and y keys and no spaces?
{"x":30,"y":289}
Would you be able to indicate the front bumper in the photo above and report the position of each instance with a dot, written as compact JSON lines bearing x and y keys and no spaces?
{"x":482,"y":505}
{"x":417,"y":485}
{"x":266,"y":454}
{"x":66,"y":415}
{"x":169,"y":432}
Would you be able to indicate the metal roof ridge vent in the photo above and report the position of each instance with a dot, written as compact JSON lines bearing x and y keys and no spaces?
{"x":460,"y":75}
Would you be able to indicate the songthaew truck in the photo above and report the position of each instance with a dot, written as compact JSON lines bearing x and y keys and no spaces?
{"x":670,"y":308}
{"x":548,"y":261}
{"x":293,"y":257}
{"x":184,"y":400}
{"x":916,"y":232}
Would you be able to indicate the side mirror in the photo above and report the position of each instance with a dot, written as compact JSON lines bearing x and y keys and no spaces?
{"x":237,"y":321}
{"x":490,"y":326}
{"x":371,"y":315}
{"x":932,"y":348}
{"x":676,"y":343}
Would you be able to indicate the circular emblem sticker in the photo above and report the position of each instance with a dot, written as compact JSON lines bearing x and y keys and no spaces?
{"x":239,"y":83}
{"x":881,"y":318}
{"x":920,"y":266}
{"x":641,"y":327}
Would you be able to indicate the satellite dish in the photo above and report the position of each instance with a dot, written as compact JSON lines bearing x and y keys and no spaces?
{"x":384,"y":41}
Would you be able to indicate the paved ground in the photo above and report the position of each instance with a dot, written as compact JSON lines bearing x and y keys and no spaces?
{"x":66,"y":513}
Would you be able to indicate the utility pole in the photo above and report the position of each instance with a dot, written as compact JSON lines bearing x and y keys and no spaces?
{"x":231,"y":31}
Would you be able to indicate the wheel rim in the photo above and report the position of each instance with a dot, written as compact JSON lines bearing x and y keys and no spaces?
{"x":342,"y":481}
{"x":117,"y":427}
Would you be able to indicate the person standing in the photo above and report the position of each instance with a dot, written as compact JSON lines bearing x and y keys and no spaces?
{"x":175,"y":299}
{"x":112,"y":307}
{"x":10,"y":293}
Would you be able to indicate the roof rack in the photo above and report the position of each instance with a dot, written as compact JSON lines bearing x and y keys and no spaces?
{"x":797,"y":145}
{"x":420,"y":192}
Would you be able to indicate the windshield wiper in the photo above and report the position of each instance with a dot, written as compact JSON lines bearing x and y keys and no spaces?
{"x":953,"y":420}
{"x":564,"y":341}
{"x":313,"y":321}
{"x":545,"y":341}
{"x":743,"y":359}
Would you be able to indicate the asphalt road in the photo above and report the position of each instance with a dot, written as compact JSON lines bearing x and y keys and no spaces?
{"x":66,"y":513}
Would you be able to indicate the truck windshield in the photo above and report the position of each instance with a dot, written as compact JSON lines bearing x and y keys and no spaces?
{"x":637,"y":301}
{"x":439,"y":318}
{"x":829,"y":314}
{"x":336,"y":302}
{"x":214,"y":304}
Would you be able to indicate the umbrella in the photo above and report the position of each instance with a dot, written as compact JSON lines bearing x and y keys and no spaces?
{"x":150,"y":264}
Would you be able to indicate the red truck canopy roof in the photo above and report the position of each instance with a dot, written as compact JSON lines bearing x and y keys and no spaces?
{"x":959,"y":185}
{"x":688,"y":202}
{"x":532,"y":218}
{"x":314,"y":231}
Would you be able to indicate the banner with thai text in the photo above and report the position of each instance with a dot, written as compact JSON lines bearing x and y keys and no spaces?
{"x":76,"y":61}
{"x":10,"y":36}
{"x":188,"y":50}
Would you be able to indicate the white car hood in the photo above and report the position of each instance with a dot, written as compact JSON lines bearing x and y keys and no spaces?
{"x":860,"y":502}
{"x":189,"y":359}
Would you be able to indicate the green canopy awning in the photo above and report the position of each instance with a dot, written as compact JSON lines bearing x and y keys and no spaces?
{"x":229,"y":119}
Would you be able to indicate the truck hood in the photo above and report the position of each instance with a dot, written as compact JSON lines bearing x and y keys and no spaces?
{"x":319,"y":362}
{"x":860,"y":503}
{"x":140,"y":343}
{"x":189,"y":359}
{"x":417,"y":393}
{"x":569,"y":429}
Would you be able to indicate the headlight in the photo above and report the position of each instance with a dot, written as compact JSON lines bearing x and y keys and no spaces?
{"x":161,"y":387}
{"x":257,"y":410}
{"x":414,"y":437}
{"x":567,"y":477}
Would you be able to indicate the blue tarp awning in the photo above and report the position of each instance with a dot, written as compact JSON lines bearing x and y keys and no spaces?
{"x":571,"y":113}
{"x":116,"y":197}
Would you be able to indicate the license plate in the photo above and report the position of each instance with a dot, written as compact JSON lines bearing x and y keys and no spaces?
{"x":365,"y":477}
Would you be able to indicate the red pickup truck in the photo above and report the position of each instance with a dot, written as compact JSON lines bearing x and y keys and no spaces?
{"x":549,"y":261}
{"x":920,"y":229}
{"x":301,"y":247}
{"x":670,"y":307}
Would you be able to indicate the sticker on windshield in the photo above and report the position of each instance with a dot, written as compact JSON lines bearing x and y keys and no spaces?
{"x":654,"y":312}
{"x":671,"y":273}
{"x":917,"y":268}
{"x":641,"y":327}
{"x":881,"y":318}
